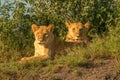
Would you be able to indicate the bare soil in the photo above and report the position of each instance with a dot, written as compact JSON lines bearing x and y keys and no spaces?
{"x":99,"y":70}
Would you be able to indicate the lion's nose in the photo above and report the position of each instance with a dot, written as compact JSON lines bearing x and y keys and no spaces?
{"x":40,"y":38}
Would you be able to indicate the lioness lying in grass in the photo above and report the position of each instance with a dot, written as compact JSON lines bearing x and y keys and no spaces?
{"x":77,"y":32}
{"x":43,"y":42}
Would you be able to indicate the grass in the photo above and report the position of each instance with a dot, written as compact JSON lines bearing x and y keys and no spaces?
{"x":100,"y":48}
{"x":117,"y":64}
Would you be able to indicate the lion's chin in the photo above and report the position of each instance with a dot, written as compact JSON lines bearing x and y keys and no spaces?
{"x":41,"y":43}
{"x":76,"y":39}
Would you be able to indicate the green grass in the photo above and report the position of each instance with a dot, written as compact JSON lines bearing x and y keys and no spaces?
{"x":16,"y":37}
{"x":77,"y":56}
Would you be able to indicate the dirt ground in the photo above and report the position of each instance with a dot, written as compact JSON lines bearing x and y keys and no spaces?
{"x":99,"y":70}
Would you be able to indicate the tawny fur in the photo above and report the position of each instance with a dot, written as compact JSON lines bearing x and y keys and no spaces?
{"x":77,"y":32}
{"x":43,"y":43}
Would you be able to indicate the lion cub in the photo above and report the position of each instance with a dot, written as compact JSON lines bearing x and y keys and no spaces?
{"x":43,"y":42}
{"x":77,"y":32}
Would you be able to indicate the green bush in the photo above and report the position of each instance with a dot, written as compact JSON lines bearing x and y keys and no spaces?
{"x":108,"y":46}
{"x":18,"y":16}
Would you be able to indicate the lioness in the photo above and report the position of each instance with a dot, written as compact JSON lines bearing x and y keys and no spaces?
{"x":43,"y":42}
{"x":77,"y":32}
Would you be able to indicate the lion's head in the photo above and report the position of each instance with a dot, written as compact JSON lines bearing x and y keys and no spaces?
{"x":75,"y":30}
{"x":43,"y":34}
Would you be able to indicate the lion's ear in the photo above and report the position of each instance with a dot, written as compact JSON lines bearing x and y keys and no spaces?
{"x":87,"y":25}
{"x":79,"y":24}
{"x":67,"y":23}
{"x":50,"y":27}
{"x":34,"y":27}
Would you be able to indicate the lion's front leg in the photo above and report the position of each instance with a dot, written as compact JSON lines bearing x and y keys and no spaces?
{"x":26,"y":59}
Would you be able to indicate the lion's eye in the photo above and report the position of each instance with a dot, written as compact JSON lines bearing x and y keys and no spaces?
{"x":73,"y":29}
{"x":81,"y":29}
{"x":38,"y":33}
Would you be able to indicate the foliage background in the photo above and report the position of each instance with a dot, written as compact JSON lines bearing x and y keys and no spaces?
{"x":17,"y":16}
{"x":16,"y":37}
